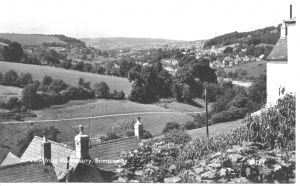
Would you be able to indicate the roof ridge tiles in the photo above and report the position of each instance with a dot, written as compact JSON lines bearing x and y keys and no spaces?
{"x":54,"y":142}
{"x":21,"y":163}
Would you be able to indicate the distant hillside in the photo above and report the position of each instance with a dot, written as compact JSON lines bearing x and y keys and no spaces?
{"x":31,"y":39}
{"x":268,"y":35}
{"x":123,"y":42}
{"x":40,"y":39}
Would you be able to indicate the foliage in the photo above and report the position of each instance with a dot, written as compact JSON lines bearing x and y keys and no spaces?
{"x":258,"y":91}
{"x":47,"y":80}
{"x":58,"y":85}
{"x":25,"y":79}
{"x":177,"y":137}
{"x":13,"y":102}
{"x":171,"y":126}
{"x":10,"y":78}
{"x":101,"y":90}
{"x":189,"y":125}
{"x":275,"y":126}
{"x":13,"y":52}
{"x":229,"y":115}
{"x":30,"y":98}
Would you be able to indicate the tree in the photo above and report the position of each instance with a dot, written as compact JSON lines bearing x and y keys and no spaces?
{"x":82,"y":83}
{"x":187,"y":94}
{"x":141,"y":92}
{"x":101,"y":90}
{"x":13,"y":102}
{"x":67,"y":64}
{"x":30,"y":98}
{"x":13,"y":52}
{"x":10,"y":78}
{"x":58,"y":85}
{"x":25,"y":79}
{"x":257,"y":91}
{"x":228,"y":50}
{"x":125,"y":67}
{"x":47,"y":80}
{"x":98,"y":69}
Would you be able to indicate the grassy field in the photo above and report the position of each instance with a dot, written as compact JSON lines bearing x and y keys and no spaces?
{"x":7,"y":91}
{"x":69,"y":76}
{"x":30,"y":39}
{"x":254,"y":69}
{"x":153,"y":122}
{"x":215,"y":130}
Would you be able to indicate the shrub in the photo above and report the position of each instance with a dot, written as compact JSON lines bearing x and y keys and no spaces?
{"x":117,"y":95}
{"x":58,"y":85}
{"x":171,"y":126}
{"x":101,"y":90}
{"x":12,"y":102}
{"x":177,"y":137}
{"x":229,"y":115}
{"x":146,"y":135}
{"x":189,"y":125}
{"x":25,"y":79}
{"x":129,"y":133}
{"x":112,"y":135}
{"x":10,"y":78}
{"x":200,"y":120}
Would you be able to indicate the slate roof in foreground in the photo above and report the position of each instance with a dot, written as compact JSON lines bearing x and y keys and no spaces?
{"x":59,"y":154}
{"x":9,"y":159}
{"x":27,"y":172}
{"x":109,"y":151}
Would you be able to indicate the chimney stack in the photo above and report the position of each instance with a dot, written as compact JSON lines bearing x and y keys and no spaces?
{"x":138,"y":128}
{"x":82,"y":144}
{"x":291,"y":11}
{"x":46,"y":152}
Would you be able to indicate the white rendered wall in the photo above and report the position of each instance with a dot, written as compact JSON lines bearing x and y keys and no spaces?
{"x":284,"y":74}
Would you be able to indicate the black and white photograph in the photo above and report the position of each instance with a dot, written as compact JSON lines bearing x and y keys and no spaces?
{"x":148,"y":91}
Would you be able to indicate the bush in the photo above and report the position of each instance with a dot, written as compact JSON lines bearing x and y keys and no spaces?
{"x":10,"y":78}
{"x":117,"y":95}
{"x":112,"y":135}
{"x":171,"y":126}
{"x":229,"y":115}
{"x":58,"y":85}
{"x":146,"y":135}
{"x":101,"y":90}
{"x":177,"y":137}
{"x":12,"y":103}
{"x":129,"y":133}
{"x":200,"y":120}
{"x":189,"y":125}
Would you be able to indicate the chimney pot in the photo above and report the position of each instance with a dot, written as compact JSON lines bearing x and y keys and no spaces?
{"x":46,"y":152}
{"x":138,"y":128}
{"x":82,"y":144}
{"x":291,"y":11}
{"x":80,"y":129}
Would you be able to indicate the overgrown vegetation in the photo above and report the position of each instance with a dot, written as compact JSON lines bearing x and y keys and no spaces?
{"x":262,"y":150}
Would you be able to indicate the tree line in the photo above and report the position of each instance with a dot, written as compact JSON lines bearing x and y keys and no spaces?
{"x":36,"y":94}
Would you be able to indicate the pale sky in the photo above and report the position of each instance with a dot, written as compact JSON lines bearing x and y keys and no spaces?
{"x":170,"y":19}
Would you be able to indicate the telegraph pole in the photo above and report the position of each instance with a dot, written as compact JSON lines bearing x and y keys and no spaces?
{"x":206,"y":113}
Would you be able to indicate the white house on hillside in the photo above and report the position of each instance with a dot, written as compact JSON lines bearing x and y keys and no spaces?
{"x":282,"y":63}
